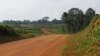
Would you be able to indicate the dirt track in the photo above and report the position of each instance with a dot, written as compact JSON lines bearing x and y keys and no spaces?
{"x":50,"y":45}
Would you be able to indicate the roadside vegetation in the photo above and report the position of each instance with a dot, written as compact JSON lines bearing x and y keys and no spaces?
{"x":7,"y":33}
{"x":85,"y":41}
{"x":75,"y":20}
{"x":11,"y":30}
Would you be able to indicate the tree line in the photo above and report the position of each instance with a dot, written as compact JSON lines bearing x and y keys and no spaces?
{"x":42,"y":21}
{"x":75,"y":20}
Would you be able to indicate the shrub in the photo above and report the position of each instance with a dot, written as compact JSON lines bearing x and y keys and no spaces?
{"x":8,"y":33}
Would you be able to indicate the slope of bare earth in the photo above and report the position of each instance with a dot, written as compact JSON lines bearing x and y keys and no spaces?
{"x":49,"y":45}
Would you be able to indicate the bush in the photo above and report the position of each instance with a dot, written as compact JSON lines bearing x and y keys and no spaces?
{"x":7,"y":33}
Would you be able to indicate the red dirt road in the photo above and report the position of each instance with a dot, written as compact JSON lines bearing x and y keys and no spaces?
{"x":50,"y":45}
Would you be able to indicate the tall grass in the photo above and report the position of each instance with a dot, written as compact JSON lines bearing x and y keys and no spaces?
{"x":85,"y":43}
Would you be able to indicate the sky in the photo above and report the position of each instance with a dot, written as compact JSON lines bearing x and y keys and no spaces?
{"x":37,"y":9}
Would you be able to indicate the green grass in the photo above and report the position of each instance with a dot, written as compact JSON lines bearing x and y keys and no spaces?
{"x":24,"y":31}
{"x":85,"y":43}
{"x":56,"y":29}
{"x":27,"y":29}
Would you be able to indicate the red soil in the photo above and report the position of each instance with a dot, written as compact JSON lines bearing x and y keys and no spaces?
{"x":50,"y":45}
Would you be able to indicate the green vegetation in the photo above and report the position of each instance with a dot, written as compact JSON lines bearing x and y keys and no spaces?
{"x":76,"y":21}
{"x":85,"y":43}
{"x":28,"y":29}
{"x":11,"y":30}
{"x":7,"y":33}
{"x":56,"y":28}
{"x":83,"y":28}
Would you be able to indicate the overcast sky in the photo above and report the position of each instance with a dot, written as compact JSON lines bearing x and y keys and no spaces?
{"x":36,"y":9}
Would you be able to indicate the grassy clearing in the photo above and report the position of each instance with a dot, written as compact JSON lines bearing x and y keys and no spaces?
{"x":56,"y":29}
{"x":85,"y":43}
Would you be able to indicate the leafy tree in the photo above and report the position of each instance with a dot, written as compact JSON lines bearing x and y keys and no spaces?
{"x":90,"y":13}
{"x":55,"y":21}
{"x":75,"y":20}
{"x":43,"y":21}
{"x":72,"y":19}
{"x":64,"y":17}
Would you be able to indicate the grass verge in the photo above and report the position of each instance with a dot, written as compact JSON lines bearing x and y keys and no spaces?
{"x":85,"y":43}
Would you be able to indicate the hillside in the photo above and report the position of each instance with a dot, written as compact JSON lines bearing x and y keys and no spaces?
{"x":86,"y":42}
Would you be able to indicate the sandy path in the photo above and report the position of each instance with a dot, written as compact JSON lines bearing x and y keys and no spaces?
{"x":49,"y":45}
